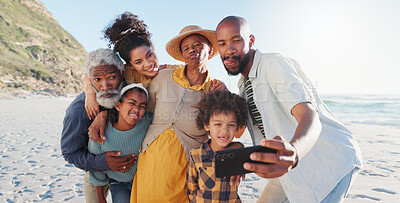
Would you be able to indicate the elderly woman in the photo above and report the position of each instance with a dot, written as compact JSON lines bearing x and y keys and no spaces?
{"x":162,"y":165}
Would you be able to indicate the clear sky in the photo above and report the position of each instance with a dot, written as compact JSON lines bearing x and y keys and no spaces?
{"x":344,"y":46}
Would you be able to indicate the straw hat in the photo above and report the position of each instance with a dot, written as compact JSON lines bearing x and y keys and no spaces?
{"x":173,"y":46}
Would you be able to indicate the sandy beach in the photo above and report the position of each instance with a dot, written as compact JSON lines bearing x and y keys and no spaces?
{"x":33,"y":169}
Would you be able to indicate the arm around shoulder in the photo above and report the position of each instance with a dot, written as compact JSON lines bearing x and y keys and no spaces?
{"x":91,"y":105}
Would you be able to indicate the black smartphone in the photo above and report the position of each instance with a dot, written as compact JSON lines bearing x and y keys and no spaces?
{"x":230,"y":162}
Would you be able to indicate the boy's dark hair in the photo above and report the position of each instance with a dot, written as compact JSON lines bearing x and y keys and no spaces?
{"x":221,"y":102}
{"x":127,"y":33}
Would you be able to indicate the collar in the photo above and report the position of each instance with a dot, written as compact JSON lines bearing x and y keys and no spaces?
{"x":179,"y":77}
{"x":207,"y":152}
{"x":253,"y":69}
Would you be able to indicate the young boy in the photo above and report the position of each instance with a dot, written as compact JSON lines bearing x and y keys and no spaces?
{"x":126,"y":136}
{"x":221,"y":114}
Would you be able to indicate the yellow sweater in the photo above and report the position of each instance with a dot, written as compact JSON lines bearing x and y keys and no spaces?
{"x":162,"y":167}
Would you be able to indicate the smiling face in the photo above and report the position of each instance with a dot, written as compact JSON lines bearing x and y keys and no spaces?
{"x":234,"y":45}
{"x":144,"y":60}
{"x":222,"y":128}
{"x":195,"y":49}
{"x":131,"y":110}
{"x":106,"y":80}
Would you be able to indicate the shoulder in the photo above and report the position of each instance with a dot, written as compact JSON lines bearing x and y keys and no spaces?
{"x":165,"y":72}
{"x":196,"y":153}
{"x":77,"y":103}
{"x":273,"y":58}
{"x":275,"y":65}
{"x":146,"y":119}
{"x":162,"y":75}
{"x":196,"y":150}
{"x":269,"y":56}
{"x":77,"y":108}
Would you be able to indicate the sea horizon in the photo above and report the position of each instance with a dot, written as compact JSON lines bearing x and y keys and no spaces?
{"x":373,"y":109}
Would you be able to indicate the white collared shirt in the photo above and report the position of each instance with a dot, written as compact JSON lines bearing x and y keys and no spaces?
{"x":278,"y":85}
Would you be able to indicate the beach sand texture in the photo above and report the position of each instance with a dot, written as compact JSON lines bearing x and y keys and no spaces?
{"x":33,"y":169}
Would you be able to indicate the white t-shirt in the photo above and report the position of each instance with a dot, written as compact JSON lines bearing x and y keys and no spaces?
{"x":279,"y":84}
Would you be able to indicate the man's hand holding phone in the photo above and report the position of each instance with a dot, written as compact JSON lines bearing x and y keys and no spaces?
{"x":229,"y":163}
{"x":279,"y":163}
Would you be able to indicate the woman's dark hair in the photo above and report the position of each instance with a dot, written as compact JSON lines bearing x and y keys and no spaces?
{"x":221,"y":102}
{"x":127,"y":33}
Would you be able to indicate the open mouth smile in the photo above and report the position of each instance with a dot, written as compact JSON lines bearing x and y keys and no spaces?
{"x":152,"y":69}
{"x":134,"y":116}
{"x":224,"y":139}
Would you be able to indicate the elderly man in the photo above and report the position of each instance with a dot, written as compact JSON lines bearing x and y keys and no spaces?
{"x":320,"y":158}
{"x":104,"y":68}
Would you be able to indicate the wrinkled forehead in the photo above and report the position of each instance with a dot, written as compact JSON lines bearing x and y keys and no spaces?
{"x":103,"y":70}
{"x":195,"y":37}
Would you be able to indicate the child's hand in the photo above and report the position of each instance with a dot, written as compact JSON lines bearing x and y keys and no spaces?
{"x":236,"y":179}
{"x":91,"y":106}
{"x":98,"y":125}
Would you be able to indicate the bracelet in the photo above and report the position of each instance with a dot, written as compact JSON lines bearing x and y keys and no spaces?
{"x":296,"y":158}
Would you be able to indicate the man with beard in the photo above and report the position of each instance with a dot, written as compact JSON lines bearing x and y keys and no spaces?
{"x":104,"y":68}
{"x":321,"y":157}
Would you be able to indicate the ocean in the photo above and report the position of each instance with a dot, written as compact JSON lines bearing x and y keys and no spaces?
{"x":365,"y":109}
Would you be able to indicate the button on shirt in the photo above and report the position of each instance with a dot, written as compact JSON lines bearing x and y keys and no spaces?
{"x":279,"y":84}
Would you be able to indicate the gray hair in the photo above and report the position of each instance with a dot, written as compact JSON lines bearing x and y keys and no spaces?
{"x":100,"y":57}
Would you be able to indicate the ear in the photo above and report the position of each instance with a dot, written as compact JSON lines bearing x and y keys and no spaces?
{"x":252,"y":40}
{"x":210,"y":52}
{"x":206,"y":127}
{"x":118,"y":106}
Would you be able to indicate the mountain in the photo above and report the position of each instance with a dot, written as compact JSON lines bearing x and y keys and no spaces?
{"x":37,"y":56}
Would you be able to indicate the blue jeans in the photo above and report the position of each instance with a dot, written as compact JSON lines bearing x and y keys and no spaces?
{"x":120,"y":191}
{"x":342,"y":188}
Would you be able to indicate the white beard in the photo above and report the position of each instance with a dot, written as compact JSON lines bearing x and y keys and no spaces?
{"x":108,"y":103}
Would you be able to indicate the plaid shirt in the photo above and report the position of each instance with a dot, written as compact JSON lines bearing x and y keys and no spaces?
{"x":202,"y":184}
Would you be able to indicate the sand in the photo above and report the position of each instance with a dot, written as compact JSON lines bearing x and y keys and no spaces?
{"x":32,"y":168}
{"x":379,"y":179}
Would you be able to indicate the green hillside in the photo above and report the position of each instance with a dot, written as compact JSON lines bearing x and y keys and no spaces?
{"x":36,"y":53}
